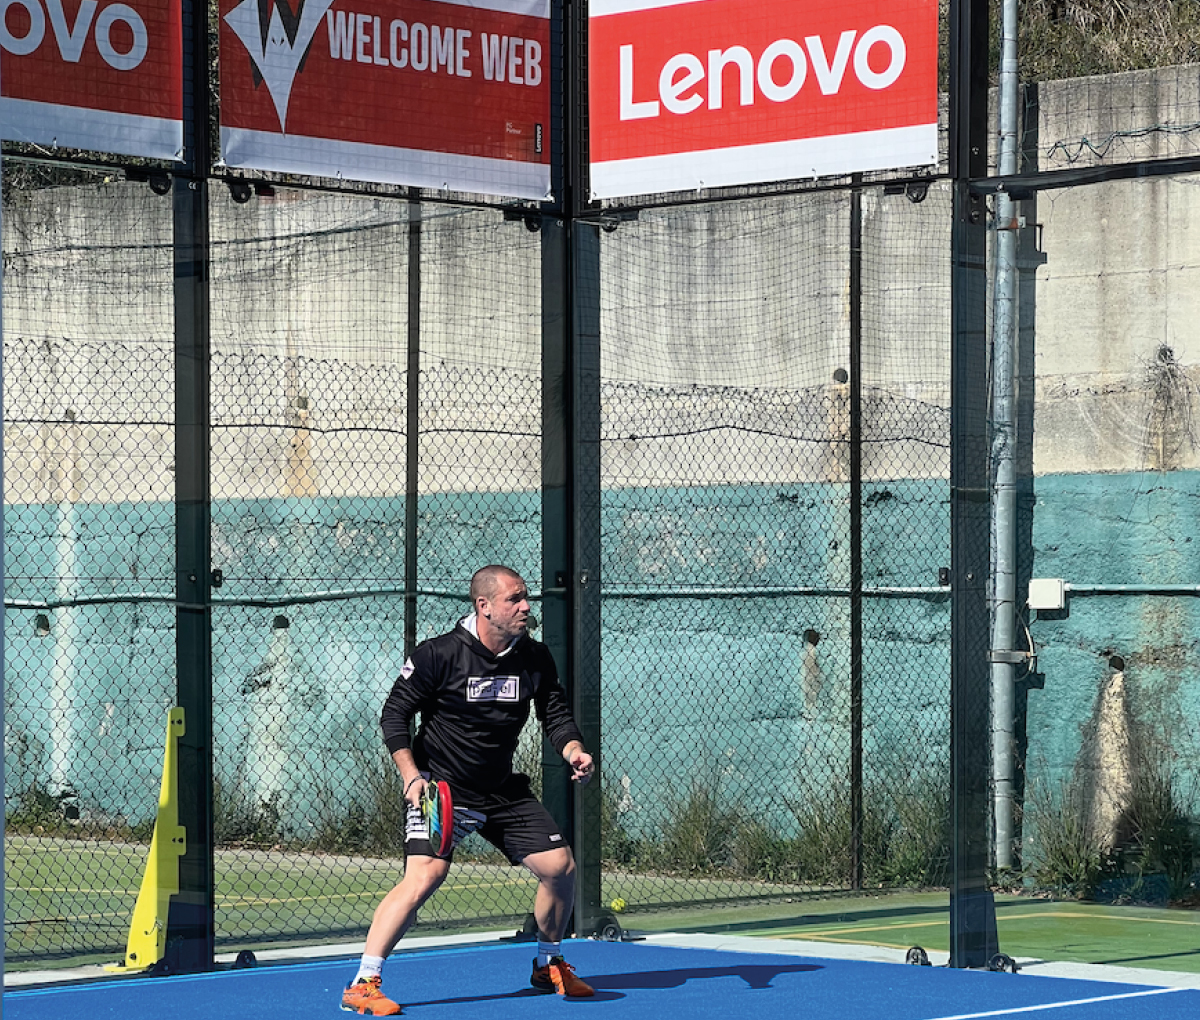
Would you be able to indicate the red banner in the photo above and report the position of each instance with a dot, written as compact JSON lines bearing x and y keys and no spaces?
{"x":689,"y":94}
{"x":427,"y":93}
{"x":93,"y":74}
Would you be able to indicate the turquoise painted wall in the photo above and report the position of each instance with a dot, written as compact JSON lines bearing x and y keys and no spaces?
{"x":1113,"y":530}
{"x":725,"y":687}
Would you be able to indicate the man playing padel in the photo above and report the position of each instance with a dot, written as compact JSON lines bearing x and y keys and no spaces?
{"x":473,"y":689}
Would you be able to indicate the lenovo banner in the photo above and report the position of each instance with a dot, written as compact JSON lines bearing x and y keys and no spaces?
{"x":689,"y":94}
{"x":93,"y":74}
{"x":428,"y":93}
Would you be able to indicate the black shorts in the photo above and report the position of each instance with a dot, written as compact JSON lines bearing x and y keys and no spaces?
{"x":516,"y":827}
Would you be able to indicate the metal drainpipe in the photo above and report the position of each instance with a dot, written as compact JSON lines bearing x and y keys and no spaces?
{"x":1004,"y":580}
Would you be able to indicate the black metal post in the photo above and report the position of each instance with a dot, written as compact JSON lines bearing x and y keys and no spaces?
{"x":973,"y":938}
{"x":412,"y":425}
{"x":571,"y":525}
{"x":558,"y":555}
{"x":571,"y":453}
{"x":856,"y":600}
{"x":585,"y":380}
{"x":191,"y":915}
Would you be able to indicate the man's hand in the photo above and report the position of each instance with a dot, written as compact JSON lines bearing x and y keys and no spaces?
{"x":413,"y":790}
{"x":582,"y":765}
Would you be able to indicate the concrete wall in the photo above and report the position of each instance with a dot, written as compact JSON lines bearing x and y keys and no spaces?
{"x":725,"y":419}
{"x":1109,"y":374}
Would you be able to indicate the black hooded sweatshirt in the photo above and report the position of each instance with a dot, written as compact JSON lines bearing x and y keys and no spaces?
{"x":473,"y":706}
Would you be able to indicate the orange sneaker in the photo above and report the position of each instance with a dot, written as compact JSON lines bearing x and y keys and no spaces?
{"x":364,"y":996}
{"x":559,"y":976}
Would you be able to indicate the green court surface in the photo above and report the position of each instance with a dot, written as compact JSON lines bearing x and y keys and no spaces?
{"x":1068,"y":931}
{"x":74,"y":893}
{"x":72,"y":900}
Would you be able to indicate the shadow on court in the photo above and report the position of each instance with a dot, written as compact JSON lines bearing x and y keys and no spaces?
{"x":613,"y":986}
{"x":755,"y":975}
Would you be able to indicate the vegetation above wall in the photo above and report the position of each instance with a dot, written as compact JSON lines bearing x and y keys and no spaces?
{"x":1078,"y":38}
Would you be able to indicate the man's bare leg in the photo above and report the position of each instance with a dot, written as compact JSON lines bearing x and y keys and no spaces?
{"x":398,"y":909}
{"x":555,"y":899}
{"x":393,"y":917}
{"x":552,"y":906}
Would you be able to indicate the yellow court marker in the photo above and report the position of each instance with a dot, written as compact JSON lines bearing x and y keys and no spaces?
{"x":66,"y":919}
{"x":846,"y":942}
{"x":822,"y":932}
{"x":243,"y":900}
{"x":491,"y":885}
{"x":147,"y":941}
{"x":260,"y":901}
{"x":72,"y":889}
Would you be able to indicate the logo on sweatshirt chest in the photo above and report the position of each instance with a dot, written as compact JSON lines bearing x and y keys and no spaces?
{"x":493,"y":688}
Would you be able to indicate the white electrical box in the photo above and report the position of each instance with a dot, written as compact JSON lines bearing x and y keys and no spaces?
{"x":1047,"y":593}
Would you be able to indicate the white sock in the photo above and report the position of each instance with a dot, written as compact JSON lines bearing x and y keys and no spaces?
{"x":547,"y":950}
{"x":369,"y":966}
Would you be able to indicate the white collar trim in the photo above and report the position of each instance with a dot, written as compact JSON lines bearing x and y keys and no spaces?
{"x":471,"y":625}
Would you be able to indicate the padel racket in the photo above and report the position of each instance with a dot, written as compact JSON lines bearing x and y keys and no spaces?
{"x":438,"y":808}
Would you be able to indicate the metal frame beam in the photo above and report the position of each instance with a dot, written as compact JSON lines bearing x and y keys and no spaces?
{"x":571,"y":451}
{"x":191,"y":916}
{"x":973,"y":939}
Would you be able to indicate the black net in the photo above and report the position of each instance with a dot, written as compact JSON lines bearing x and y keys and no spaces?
{"x":905,"y":426}
{"x":89,"y":553}
{"x":1104,"y":770}
{"x":1108,"y":762}
{"x":729,"y":664}
{"x":327,"y":508}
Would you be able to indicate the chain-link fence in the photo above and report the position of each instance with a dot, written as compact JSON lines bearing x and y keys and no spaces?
{"x":359,"y":531}
{"x":89,"y":558}
{"x":1110,"y":762}
{"x":322,"y":507}
{"x":1105,"y":769}
{"x":773,"y":526}
{"x":350,"y":506}
{"x":735,"y":562}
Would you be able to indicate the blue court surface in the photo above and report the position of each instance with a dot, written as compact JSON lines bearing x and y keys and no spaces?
{"x":633,"y":981}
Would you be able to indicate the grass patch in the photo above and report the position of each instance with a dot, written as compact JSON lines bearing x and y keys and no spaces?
{"x":1062,"y":854}
{"x":1152,"y":854}
{"x":905,"y":837}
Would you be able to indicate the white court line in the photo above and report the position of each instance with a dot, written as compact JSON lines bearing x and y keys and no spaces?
{"x":1059,"y":1005}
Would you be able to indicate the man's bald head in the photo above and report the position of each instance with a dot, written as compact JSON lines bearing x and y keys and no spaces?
{"x":487,"y":579}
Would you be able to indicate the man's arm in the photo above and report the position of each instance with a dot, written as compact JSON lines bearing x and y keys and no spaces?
{"x":553,"y":709}
{"x":414,"y":783}
{"x":408,"y":693}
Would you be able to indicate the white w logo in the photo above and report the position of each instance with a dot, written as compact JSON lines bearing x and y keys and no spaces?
{"x":277,"y":45}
